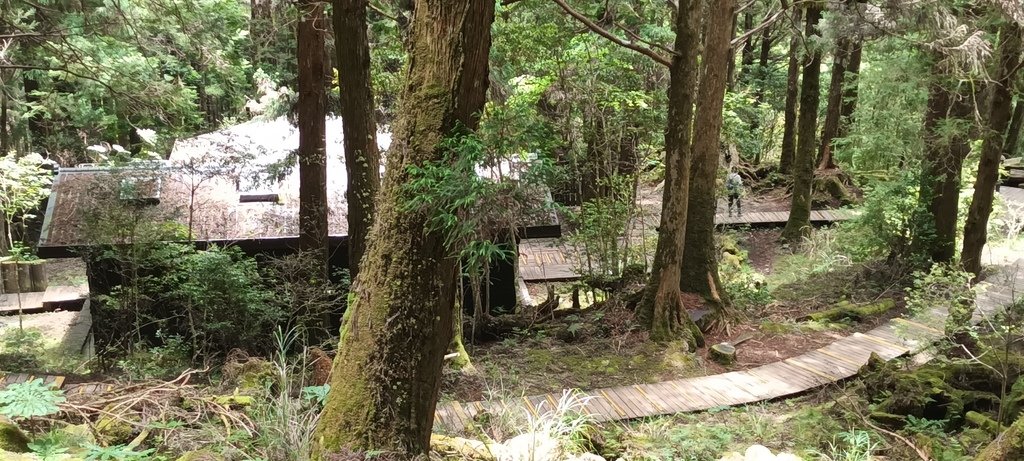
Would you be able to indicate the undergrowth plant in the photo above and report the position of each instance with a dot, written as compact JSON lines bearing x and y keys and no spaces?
{"x":854,"y":445}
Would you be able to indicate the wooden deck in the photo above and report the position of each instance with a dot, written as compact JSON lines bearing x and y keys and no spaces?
{"x":55,"y":297}
{"x":832,"y":363}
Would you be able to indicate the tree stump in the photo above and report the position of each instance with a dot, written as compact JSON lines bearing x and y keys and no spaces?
{"x":723,"y":353}
{"x":37,"y":273}
{"x":9,"y":274}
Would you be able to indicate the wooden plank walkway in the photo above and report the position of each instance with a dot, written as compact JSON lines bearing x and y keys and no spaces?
{"x":14,"y":378}
{"x":55,"y":297}
{"x":548,"y":260}
{"x":832,"y":363}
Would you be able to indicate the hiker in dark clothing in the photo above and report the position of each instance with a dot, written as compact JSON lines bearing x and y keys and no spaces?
{"x":734,"y":189}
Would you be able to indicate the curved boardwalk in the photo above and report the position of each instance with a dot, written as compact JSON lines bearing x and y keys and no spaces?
{"x":834,"y":362}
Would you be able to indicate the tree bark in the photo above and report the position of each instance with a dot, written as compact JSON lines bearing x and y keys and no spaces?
{"x":5,"y":139}
{"x":976,"y":228}
{"x":1013,"y":132}
{"x":312,"y":110}
{"x":799,"y":223}
{"x":946,"y":146}
{"x":661,"y":308}
{"x":36,"y":125}
{"x":792,"y":100}
{"x":834,"y":106}
{"x":362,"y":160}
{"x":850,"y":90}
{"x":700,"y":260}
{"x":731,"y":74}
{"x":398,"y":325}
{"x":762,"y":64}
{"x":747,"y":55}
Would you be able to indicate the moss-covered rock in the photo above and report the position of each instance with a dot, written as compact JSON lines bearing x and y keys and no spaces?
{"x":200,"y":455}
{"x":12,"y":439}
{"x":111,"y":430}
{"x":937,"y":391}
{"x":248,"y":375}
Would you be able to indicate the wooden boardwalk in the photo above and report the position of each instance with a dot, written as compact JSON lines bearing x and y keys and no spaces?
{"x":14,"y":378}
{"x":832,"y":363}
{"x":55,"y":297}
{"x":780,"y":217}
{"x":548,"y":260}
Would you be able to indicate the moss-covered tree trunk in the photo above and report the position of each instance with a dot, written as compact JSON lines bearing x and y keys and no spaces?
{"x":792,"y":100}
{"x":398,"y":325}
{"x":1008,"y":446}
{"x":946,"y":138}
{"x":661,"y":308}
{"x":976,"y":228}
{"x":1013,"y":132}
{"x":362,"y":161}
{"x":700,"y":260}
{"x":312,"y":108}
{"x":799,"y":223}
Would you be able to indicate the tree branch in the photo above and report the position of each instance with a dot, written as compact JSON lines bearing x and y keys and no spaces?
{"x":611,"y":37}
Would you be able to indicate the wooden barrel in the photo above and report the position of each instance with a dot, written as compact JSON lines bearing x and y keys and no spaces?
{"x":9,"y":274}
{"x":37,"y":272}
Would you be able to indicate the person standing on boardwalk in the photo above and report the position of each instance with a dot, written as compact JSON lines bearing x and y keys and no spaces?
{"x":734,"y":189}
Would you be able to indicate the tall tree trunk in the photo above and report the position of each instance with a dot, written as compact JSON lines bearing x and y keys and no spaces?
{"x":1013,"y":132}
{"x":762,"y":65}
{"x":312,"y":110}
{"x":799,"y":223}
{"x":260,"y":29}
{"x":747,"y":55}
{"x":947,"y":140}
{"x":731,"y":74}
{"x":834,"y":106}
{"x":792,"y":100}
{"x":362,"y":160}
{"x":399,"y":324}
{"x":5,"y":134}
{"x":850,"y":90}
{"x":661,"y":308}
{"x":700,"y":260}
{"x":976,"y":228}
{"x":36,"y":127}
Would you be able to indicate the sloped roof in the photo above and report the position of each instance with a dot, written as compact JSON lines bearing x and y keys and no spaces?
{"x":201,"y":183}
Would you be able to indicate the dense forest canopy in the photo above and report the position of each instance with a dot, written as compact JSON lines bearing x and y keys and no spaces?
{"x":365,"y":229}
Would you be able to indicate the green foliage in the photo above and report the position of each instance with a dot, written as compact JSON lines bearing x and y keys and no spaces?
{"x":220,"y":292}
{"x":116,"y":453}
{"x":24,"y":183}
{"x":103,"y":70}
{"x":316,"y":394}
{"x":598,"y":228}
{"x":886,"y":225}
{"x":30,"y":399}
{"x":21,"y":349}
{"x":853,"y":445}
{"x":886,"y":131}
{"x":944,"y":285}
